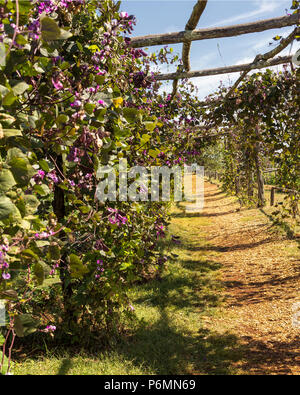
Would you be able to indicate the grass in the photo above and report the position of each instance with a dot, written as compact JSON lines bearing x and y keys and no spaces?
{"x":170,"y":337}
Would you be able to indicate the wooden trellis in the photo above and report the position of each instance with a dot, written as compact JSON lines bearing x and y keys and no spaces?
{"x":191,"y":34}
{"x":261,"y":61}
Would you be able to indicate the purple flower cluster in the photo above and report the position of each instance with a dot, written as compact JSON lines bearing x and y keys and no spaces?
{"x":39,"y":176}
{"x":74,"y":155}
{"x":47,"y":6}
{"x":34,"y":29}
{"x":49,"y":329}
{"x":160,"y":231}
{"x":53,"y":176}
{"x":140,"y":80}
{"x":54,"y":267}
{"x":137,"y":53}
{"x":100,"y":245}
{"x":43,"y":235}
{"x":116,"y":218}
{"x":127,"y":21}
{"x":100,"y":268}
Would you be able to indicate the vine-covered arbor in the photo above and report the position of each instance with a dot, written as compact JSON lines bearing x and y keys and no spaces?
{"x":256,"y":131}
{"x":77,"y":94}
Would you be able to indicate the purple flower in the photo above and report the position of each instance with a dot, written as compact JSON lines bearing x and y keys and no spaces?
{"x":43,"y":235}
{"x":6,"y":276}
{"x":73,"y":155}
{"x":76,"y":103}
{"x":102,"y":103}
{"x":57,"y":84}
{"x":39,"y":176}
{"x":49,"y":329}
{"x":4,"y":265}
{"x":3,"y":247}
{"x":52,"y":175}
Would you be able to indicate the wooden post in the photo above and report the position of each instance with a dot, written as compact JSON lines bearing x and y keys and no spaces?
{"x":237,"y":185}
{"x":272,"y":196}
{"x":260,"y":179}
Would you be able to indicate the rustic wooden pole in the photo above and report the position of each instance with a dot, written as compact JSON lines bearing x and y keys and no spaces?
{"x":214,"y":32}
{"x":260,"y":179}
{"x":191,"y":25}
{"x":224,"y":70}
{"x":237,"y":185}
{"x":272,"y":196}
{"x":268,"y":55}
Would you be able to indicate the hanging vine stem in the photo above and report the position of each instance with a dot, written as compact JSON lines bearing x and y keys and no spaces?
{"x":16,"y":28}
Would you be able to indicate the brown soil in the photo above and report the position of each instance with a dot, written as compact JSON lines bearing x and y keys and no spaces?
{"x":261,"y":277}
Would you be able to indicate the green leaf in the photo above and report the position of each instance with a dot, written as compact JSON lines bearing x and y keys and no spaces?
{"x":150,"y":126}
{"x":28,"y":254}
{"x":5,"y":364}
{"x":22,"y":170}
{"x":20,"y":88}
{"x":3,"y":91}
{"x":65,"y":34}
{"x":7,"y":181}
{"x":145,"y":138}
{"x":77,"y":268}
{"x":100,"y":114}
{"x":21,"y":40}
{"x":130,"y":114}
{"x":32,"y":203}
{"x":89,"y":108}
{"x":54,"y":252}
{"x":11,"y":132}
{"x":39,"y":273}
{"x":25,"y":325}
{"x":6,"y":207}
{"x":125,"y":265}
{"x":50,"y":29}
{"x":62,"y":118}
{"x":44,"y":165}
{"x":2,"y":54}
{"x":41,"y":189}
{"x":6,"y":119}
{"x":153,"y":153}
{"x":9,"y":99}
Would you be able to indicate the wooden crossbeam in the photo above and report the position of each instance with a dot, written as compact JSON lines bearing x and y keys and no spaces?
{"x":215,"y":32}
{"x":225,"y":70}
{"x":266,"y":56}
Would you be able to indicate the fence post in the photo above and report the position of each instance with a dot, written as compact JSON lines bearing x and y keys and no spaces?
{"x":272,"y":196}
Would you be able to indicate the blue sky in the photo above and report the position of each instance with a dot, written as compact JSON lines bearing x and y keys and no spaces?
{"x":171,"y":15}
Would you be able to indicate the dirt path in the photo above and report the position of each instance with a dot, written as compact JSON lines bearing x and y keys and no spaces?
{"x":261,"y":277}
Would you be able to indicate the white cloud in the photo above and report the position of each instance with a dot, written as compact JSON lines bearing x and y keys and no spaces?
{"x":262,"y":7}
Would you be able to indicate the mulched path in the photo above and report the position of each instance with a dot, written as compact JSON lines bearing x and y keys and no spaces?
{"x":261,"y":277}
